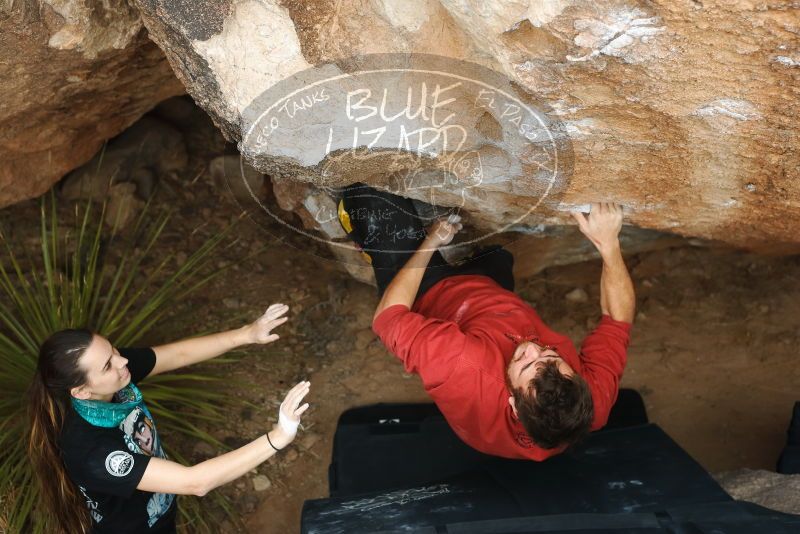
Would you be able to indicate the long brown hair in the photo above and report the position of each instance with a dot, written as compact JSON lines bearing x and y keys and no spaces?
{"x":56,"y":374}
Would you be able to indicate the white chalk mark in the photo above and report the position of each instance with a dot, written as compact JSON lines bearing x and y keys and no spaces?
{"x":583,"y":208}
{"x":401,"y":497}
{"x":741,"y":110}
{"x":579,"y":127}
{"x":789,"y":62}
{"x":615,"y":34}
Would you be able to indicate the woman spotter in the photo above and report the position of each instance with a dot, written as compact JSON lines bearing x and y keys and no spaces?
{"x":96,"y":448}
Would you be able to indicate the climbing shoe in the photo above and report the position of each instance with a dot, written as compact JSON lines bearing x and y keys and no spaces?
{"x":384,"y":226}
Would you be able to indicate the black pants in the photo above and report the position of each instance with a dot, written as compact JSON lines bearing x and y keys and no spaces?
{"x":387,"y":227}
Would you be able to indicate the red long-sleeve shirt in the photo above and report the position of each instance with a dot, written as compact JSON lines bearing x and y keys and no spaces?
{"x":459,"y":338}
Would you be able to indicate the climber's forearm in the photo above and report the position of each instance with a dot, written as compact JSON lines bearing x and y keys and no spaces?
{"x":404,"y":286}
{"x":617,"y":296}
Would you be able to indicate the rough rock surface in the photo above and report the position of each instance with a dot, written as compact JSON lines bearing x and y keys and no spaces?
{"x":72,"y":75}
{"x":686,"y":113}
{"x":771,"y":490}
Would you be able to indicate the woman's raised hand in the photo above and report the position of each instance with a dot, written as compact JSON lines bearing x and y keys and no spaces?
{"x":290,"y":412}
{"x":261,"y":328}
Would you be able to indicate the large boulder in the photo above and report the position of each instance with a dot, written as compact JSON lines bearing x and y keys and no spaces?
{"x":686,"y":113}
{"x":72,"y":75}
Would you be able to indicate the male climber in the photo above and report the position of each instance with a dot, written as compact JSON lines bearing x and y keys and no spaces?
{"x":506,"y":383}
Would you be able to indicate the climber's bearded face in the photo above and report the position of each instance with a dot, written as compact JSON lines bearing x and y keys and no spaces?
{"x":529,"y":359}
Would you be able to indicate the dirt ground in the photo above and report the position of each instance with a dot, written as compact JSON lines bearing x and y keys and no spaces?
{"x":713,"y":348}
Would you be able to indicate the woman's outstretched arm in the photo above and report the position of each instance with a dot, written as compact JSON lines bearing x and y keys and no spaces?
{"x":197,"y":349}
{"x":164,"y":476}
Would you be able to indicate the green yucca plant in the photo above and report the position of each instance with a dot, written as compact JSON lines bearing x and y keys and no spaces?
{"x":72,"y":284}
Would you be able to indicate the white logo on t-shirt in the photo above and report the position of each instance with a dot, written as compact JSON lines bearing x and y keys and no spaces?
{"x":119,"y":463}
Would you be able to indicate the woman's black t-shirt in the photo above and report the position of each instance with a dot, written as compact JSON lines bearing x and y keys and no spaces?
{"x":108,"y":463}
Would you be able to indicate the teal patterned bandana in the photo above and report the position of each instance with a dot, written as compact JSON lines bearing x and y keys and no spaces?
{"x":109,"y":414}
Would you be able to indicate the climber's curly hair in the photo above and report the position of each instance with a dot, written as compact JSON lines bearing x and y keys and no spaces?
{"x":555,"y":409}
